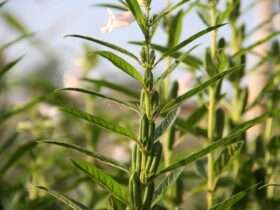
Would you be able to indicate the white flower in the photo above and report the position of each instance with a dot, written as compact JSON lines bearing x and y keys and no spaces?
{"x":116,"y":21}
{"x":185,"y":83}
{"x":48,"y":111}
{"x":72,"y":78}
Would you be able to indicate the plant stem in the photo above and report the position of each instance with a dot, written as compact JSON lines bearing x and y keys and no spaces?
{"x":267,"y":137}
{"x":211,"y":112}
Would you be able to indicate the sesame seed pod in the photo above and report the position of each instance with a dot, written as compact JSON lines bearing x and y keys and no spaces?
{"x":135,"y":191}
{"x":156,"y":159}
{"x":148,"y":196}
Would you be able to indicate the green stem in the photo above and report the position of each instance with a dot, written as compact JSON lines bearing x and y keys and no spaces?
{"x":267,"y":137}
{"x":212,"y":112}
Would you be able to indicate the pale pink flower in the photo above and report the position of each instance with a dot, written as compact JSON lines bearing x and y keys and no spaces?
{"x":48,"y":111}
{"x":116,"y":21}
{"x":185,"y":83}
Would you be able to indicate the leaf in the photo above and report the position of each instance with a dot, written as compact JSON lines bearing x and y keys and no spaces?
{"x":222,"y":142}
{"x":169,"y":9}
{"x":9,"y":44}
{"x":173,"y":66}
{"x":2,"y":3}
{"x":188,"y":41}
{"x":226,"y":156}
{"x":175,"y":29}
{"x":196,"y":116}
{"x":5,"y":116}
{"x":96,"y":156}
{"x":228,"y":203}
{"x":166,"y":123}
{"x":190,"y":60}
{"x":122,"y":65}
{"x":8,"y":67}
{"x":194,"y":130}
{"x":8,"y":142}
{"x":112,"y":6}
{"x":16,"y":155}
{"x":166,"y":182}
{"x":114,"y":86}
{"x":106,"y":44}
{"x":93,"y":93}
{"x":75,"y":205}
{"x":179,"y":100}
{"x":259,"y":42}
{"x":137,"y":13}
{"x":101,"y":122}
{"x":117,"y":190}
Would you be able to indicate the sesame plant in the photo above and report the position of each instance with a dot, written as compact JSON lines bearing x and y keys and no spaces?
{"x":147,"y":182}
{"x":188,"y":147}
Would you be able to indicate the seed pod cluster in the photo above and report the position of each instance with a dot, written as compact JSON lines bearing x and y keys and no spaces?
{"x":148,"y":196}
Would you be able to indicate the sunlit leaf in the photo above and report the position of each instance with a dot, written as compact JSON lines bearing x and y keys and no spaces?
{"x":99,"y":121}
{"x":122,"y":65}
{"x":98,"y":157}
{"x":137,"y":13}
{"x":72,"y":204}
{"x":8,"y":66}
{"x":106,"y":44}
{"x":117,"y":190}
{"x":222,"y":142}
{"x":113,"y":86}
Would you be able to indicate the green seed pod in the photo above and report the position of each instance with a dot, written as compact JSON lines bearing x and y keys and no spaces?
{"x":148,"y":196}
{"x":149,"y":80}
{"x":142,"y":100}
{"x":152,"y":57}
{"x":156,"y":158}
{"x":144,"y":128}
{"x":179,"y":191}
{"x":135,"y":191}
{"x":174,"y":90}
{"x":155,"y":100}
{"x":151,"y":134}
{"x":143,"y":54}
{"x":138,"y":160}
{"x":134,"y":158}
{"x":171,"y":138}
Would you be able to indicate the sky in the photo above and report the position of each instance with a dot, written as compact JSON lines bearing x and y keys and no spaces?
{"x":51,"y":20}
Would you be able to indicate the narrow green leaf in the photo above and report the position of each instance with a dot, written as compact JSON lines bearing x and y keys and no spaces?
{"x":166,"y":123}
{"x":106,"y":44}
{"x":188,"y":41}
{"x":228,"y":203}
{"x":11,"y":43}
{"x":101,"y":122}
{"x":173,"y":66}
{"x":254,"y":45}
{"x":196,"y":116}
{"x":189,"y":60}
{"x":8,"y":67}
{"x":179,"y":100}
{"x":169,"y":9}
{"x":194,"y":130}
{"x":166,"y":182}
{"x":96,"y":156}
{"x":8,"y":142}
{"x":112,"y":6}
{"x":175,"y":29}
{"x":16,"y":155}
{"x":226,"y":156}
{"x":75,"y":205}
{"x":5,"y":116}
{"x":137,"y":13}
{"x":222,"y":142}
{"x":2,"y":3}
{"x":93,"y":93}
{"x":117,"y":190}
{"x":114,"y":86}
{"x":122,"y":65}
